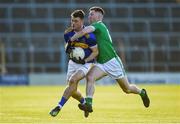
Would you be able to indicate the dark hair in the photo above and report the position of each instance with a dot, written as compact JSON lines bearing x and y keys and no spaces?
{"x":97,"y":9}
{"x":78,"y":13}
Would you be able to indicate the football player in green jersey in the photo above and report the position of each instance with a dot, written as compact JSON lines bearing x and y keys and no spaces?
{"x":108,"y":62}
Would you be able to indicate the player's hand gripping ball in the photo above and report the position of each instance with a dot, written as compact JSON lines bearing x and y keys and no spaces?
{"x":78,"y":55}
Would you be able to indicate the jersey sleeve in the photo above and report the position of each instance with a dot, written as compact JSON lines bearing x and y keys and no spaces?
{"x":66,"y":38}
{"x":96,"y":25}
{"x":91,"y":39}
{"x":67,"y":34}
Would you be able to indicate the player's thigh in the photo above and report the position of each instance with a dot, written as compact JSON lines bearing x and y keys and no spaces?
{"x":95,"y":73}
{"x":75,"y":70}
{"x":72,"y":67}
{"x":77,"y":76}
{"x":82,"y":71}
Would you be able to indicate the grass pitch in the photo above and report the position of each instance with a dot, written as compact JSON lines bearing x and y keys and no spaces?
{"x":31,"y":104}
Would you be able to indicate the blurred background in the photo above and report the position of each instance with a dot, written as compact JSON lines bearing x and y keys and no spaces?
{"x":145,"y":33}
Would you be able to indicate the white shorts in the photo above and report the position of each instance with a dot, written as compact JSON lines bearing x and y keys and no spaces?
{"x":114,"y":68}
{"x":74,"y":67}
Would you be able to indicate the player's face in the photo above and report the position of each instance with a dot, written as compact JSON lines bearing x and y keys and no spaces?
{"x":93,"y":16}
{"x":76,"y":23}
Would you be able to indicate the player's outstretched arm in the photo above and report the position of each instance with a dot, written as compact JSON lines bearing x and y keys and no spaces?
{"x":86,"y":30}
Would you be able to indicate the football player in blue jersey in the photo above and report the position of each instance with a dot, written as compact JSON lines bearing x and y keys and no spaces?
{"x":77,"y":69}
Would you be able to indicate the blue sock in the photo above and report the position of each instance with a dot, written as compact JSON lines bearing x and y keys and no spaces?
{"x":62,"y":102}
{"x":82,"y":101}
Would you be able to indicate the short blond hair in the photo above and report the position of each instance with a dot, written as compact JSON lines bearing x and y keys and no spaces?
{"x":97,"y":9}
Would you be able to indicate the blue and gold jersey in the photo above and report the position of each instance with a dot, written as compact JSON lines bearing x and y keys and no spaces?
{"x":85,"y":42}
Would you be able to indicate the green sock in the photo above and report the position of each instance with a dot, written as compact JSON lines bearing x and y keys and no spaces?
{"x":142,"y":93}
{"x":88,"y":100}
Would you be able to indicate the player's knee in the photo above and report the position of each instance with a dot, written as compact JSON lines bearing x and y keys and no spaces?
{"x":72,"y":86}
{"x":72,"y":81}
{"x":127,"y":90}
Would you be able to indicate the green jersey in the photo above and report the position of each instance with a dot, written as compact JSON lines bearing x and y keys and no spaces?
{"x":104,"y":41}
